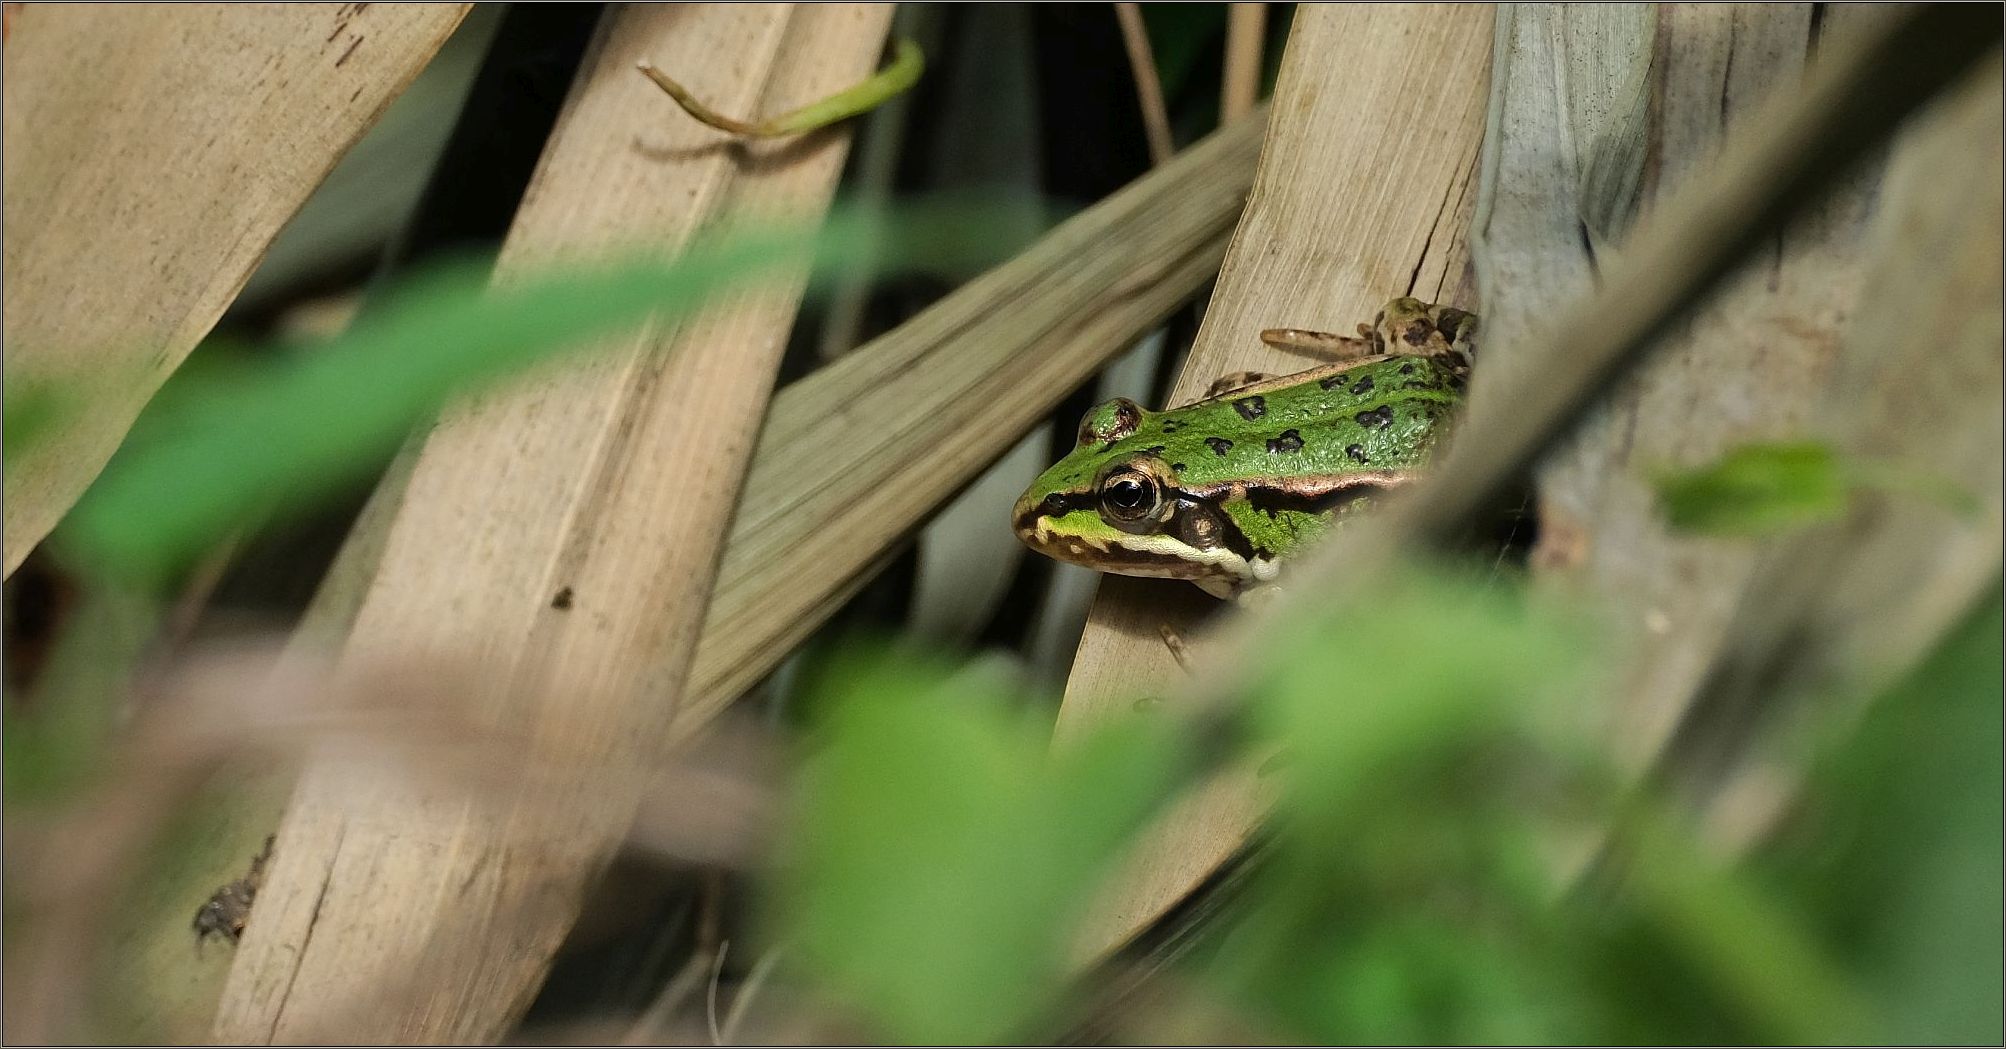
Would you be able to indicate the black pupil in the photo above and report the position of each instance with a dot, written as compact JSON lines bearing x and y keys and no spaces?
{"x":1127,"y":494}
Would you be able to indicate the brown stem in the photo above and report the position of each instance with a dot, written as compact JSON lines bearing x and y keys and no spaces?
{"x":1155,"y":115}
{"x":1246,"y":31}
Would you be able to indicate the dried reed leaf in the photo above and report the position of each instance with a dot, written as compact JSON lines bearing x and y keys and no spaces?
{"x":1364,"y":190}
{"x":132,"y":219}
{"x":1836,"y":614}
{"x":827,"y":539}
{"x":854,"y":457}
{"x":411,"y":722}
{"x":1796,"y":148}
{"x":1747,"y":368}
{"x":1769,"y":359}
{"x":610,"y":484}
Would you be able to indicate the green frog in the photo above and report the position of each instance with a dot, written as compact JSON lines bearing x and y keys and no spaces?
{"x":1225,"y":490}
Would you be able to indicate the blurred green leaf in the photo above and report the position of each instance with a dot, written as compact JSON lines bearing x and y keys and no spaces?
{"x":277,"y":436}
{"x":1415,"y":895}
{"x":319,"y":418}
{"x":1761,"y":489}
{"x":38,"y":404}
{"x":1757,"y":489}
{"x":1443,"y":787}
{"x":1897,"y":853}
{"x":1434,"y":734}
{"x":1429,"y":664}
{"x":54,"y":738}
{"x":1765,"y":967}
{"x":943,"y":848}
{"x":31,"y":409}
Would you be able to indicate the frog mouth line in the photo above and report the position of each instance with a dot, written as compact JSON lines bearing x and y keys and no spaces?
{"x":1144,"y":556}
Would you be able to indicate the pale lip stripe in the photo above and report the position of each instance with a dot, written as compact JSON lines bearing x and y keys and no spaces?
{"x":1169,"y":559}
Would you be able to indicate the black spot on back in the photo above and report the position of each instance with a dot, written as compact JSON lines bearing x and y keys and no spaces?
{"x":1219,"y":445}
{"x":1407,"y":369}
{"x":1251,"y":408}
{"x":1362,"y":386}
{"x":1376,"y":417}
{"x":1289,"y":441}
{"x":1356,"y":453}
{"x":1331,"y":382}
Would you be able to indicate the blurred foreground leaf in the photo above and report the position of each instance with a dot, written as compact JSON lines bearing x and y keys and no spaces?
{"x":943,"y":850}
{"x":321,"y":417}
{"x":1417,"y":890}
{"x":1757,"y":489}
{"x":1431,"y":739}
{"x":1898,"y":850}
{"x":277,"y":436}
{"x":1761,"y":489}
{"x":32,"y":409}
{"x":1442,"y":786}
{"x":1431,"y":662}
{"x":53,"y":740}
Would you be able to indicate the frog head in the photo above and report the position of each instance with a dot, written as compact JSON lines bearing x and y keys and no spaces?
{"x":1116,"y":507}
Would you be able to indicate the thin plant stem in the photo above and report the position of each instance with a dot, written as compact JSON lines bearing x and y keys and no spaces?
{"x":1148,"y":89}
{"x":1240,"y":86}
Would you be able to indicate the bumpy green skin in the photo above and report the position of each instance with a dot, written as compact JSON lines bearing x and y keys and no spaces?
{"x":1248,"y":479}
{"x":1418,"y":392}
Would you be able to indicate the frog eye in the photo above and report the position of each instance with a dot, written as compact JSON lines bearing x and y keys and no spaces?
{"x":1110,"y":422}
{"x":1128,"y":497}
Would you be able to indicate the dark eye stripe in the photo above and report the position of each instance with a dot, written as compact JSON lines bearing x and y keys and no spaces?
{"x":1057,"y":504}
